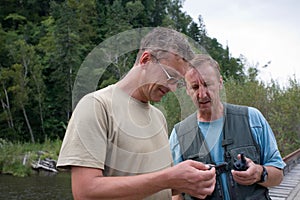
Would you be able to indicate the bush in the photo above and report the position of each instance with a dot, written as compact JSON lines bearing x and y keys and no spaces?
{"x":16,"y":158}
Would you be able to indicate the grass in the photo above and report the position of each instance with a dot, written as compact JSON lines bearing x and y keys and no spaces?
{"x":16,"y":158}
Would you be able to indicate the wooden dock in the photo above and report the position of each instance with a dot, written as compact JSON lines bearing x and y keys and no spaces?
{"x":289,"y":189}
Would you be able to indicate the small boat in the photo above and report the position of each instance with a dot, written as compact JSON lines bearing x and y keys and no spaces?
{"x":45,"y":164}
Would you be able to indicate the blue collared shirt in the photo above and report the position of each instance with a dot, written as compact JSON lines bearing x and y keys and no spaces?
{"x":212,"y":132}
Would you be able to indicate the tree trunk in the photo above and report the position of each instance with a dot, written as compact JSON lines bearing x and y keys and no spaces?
{"x":6,"y":108}
{"x":28,"y":124}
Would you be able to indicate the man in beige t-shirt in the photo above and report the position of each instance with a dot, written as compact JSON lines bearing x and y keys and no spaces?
{"x":116,"y":142}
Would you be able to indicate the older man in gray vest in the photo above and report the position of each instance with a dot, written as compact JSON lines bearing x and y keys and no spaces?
{"x":219,"y":133}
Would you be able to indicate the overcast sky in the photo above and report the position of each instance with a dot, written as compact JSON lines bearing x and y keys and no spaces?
{"x":261,"y":30}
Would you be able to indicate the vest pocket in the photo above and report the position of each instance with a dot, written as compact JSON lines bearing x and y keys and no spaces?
{"x":249,"y":152}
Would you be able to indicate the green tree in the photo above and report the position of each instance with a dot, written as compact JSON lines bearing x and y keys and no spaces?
{"x":25,"y":76}
{"x":67,"y":36}
{"x":285,"y":115}
{"x":177,"y":19}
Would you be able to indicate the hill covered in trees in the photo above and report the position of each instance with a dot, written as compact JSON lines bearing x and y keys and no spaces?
{"x":43,"y":44}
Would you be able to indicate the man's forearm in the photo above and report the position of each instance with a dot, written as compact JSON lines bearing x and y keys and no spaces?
{"x":190,"y":176}
{"x":275,"y":176}
{"x":130,"y":187}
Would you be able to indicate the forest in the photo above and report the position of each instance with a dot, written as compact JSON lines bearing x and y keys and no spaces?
{"x":44,"y":43}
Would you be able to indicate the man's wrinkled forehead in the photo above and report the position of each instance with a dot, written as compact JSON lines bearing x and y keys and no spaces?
{"x":193,"y":74}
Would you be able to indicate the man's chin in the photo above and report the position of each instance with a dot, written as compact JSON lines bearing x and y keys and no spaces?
{"x":204,"y":107}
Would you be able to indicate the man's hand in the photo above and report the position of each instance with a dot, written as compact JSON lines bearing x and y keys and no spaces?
{"x":250,"y":176}
{"x":193,"y":178}
{"x":253,"y":175}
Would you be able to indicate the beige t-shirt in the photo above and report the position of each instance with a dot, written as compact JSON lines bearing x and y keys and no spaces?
{"x":112,"y":131}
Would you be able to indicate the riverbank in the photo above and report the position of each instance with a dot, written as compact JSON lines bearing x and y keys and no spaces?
{"x":16,"y":158}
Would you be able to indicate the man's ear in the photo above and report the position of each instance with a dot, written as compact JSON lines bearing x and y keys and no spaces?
{"x":145,"y":58}
{"x":221,"y":83}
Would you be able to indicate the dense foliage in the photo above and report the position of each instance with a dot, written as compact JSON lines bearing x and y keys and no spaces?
{"x":280,"y":106}
{"x":43,"y":44}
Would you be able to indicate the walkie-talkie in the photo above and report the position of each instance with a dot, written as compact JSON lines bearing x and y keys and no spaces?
{"x":240,"y":164}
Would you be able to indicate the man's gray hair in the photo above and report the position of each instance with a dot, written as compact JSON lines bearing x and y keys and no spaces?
{"x":168,"y":40}
{"x":200,"y":59}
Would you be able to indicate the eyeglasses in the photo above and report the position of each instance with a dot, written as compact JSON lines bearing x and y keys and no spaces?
{"x":171,"y":79}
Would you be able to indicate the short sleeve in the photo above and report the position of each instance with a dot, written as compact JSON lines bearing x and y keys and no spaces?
{"x":86,"y":135}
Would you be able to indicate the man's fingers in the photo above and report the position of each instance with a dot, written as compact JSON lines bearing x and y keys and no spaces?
{"x":199,"y":165}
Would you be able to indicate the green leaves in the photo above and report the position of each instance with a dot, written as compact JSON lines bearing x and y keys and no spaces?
{"x":280,"y":106}
{"x":43,"y":44}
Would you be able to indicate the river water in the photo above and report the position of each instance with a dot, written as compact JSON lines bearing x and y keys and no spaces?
{"x":36,"y":187}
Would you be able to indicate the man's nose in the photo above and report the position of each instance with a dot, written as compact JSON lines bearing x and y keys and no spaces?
{"x":202,"y":92}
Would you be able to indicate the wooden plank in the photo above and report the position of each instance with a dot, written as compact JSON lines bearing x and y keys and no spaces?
{"x":289,"y":187}
{"x":278,"y":198}
{"x":283,"y":192}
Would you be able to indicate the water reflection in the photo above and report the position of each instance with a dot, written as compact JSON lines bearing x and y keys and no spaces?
{"x":36,"y":187}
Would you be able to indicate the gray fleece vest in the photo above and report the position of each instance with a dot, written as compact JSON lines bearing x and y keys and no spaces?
{"x":237,"y":138}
